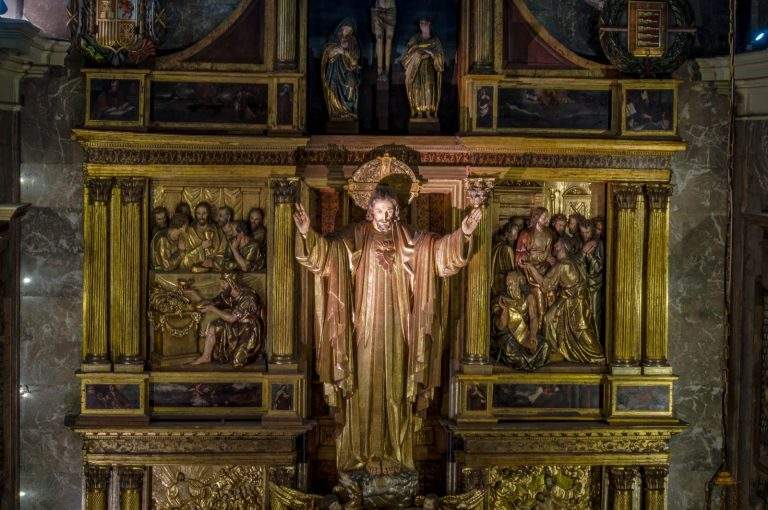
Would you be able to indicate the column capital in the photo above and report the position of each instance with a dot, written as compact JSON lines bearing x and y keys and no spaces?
{"x":623,"y":478}
{"x":479,"y":190}
{"x":285,"y":190}
{"x":99,"y":190}
{"x":654,"y":477}
{"x":625,"y":195}
{"x":131,"y":191}
{"x":131,"y":478}
{"x":96,"y":477}
{"x":658,"y":195}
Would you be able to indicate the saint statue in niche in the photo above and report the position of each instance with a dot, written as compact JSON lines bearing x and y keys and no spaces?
{"x":424,"y":62}
{"x":383,"y":18}
{"x":340,"y":69}
{"x":380,"y":337}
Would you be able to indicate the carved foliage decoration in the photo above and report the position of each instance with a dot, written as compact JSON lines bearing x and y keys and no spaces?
{"x":528,"y":487}
{"x":197,"y":487}
{"x":116,"y":32}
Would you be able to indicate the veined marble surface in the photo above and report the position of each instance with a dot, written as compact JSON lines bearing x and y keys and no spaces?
{"x":51,"y":289}
{"x":698,"y":225}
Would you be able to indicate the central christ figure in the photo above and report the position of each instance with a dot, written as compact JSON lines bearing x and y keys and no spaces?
{"x":380,"y":323}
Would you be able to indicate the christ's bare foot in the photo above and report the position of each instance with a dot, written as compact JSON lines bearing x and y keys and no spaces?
{"x":201,"y":360}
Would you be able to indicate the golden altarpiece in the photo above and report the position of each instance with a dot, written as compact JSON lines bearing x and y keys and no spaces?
{"x":203,"y":377}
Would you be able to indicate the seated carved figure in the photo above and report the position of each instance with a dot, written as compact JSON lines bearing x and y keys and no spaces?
{"x":236,"y":336}
{"x":511,"y":312}
{"x":569,"y":327}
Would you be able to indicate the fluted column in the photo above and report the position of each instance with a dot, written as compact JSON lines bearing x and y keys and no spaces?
{"x":282,"y":271}
{"x":657,"y":276}
{"x":95,"y":276}
{"x":131,"y":196}
{"x":478,"y":320}
{"x":481,"y":39}
{"x":287,"y":34}
{"x":131,"y":481}
{"x":627,"y":284}
{"x":654,"y":487}
{"x":96,"y":487}
{"x":622,"y":483}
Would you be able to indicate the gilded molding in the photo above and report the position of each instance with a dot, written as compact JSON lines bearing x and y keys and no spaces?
{"x":657,"y":276}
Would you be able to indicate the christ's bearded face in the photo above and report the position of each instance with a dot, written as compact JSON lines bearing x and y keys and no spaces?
{"x":201,"y":215}
{"x":382,"y":215}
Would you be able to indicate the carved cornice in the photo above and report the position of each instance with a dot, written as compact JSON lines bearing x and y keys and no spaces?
{"x":24,"y":53}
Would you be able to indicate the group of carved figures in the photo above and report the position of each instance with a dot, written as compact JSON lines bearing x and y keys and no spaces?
{"x":199,"y":244}
{"x":423,"y":63}
{"x":548,"y":290}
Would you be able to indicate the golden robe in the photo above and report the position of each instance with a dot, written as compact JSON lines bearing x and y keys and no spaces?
{"x":424,"y":63}
{"x":380,"y":312}
{"x":568,"y":324}
{"x":196,"y":255}
{"x":166,"y":255}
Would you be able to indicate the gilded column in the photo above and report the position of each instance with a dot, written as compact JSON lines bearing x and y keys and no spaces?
{"x":657,"y":276}
{"x":287,"y":34}
{"x":478,"y":317}
{"x":96,"y":487}
{"x":654,"y":487}
{"x":131,"y":196}
{"x":481,"y":41}
{"x":95,"y":276}
{"x":131,"y":482}
{"x":627,"y":286}
{"x":282,"y":271}
{"x":622,"y":486}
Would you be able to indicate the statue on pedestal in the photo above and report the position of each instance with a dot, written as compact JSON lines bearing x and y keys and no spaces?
{"x":380,"y":332}
{"x":424,"y":62}
{"x":340,"y":69}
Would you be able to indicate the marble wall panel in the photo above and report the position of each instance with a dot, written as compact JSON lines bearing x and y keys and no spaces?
{"x":698,"y":225}
{"x":51,"y":288}
{"x":752,"y":149}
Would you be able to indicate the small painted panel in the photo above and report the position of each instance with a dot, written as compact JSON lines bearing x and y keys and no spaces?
{"x":484,"y":112}
{"x":114,"y":100}
{"x":285,"y":104}
{"x":209,"y":103}
{"x":205,"y":395}
{"x":477,"y":397}
{"x":282,"y":397}
{"x":642,"y":398}
{"x":649,"y":110}
{"x":556,"y":109}
{"x":546,"y":396}
{"x":112,"y":396}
